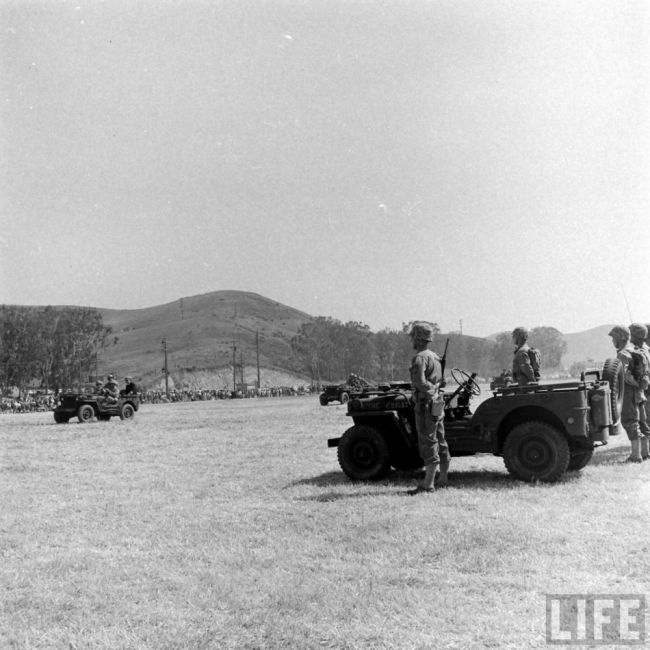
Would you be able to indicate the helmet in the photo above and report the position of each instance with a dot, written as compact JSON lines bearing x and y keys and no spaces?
{"x":639,"y":330}
{"x":620,"y":332}
{"x":422,"y":331}
{"x":521,"y":332}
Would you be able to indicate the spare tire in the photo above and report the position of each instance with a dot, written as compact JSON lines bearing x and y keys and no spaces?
{"x":614,"y":375}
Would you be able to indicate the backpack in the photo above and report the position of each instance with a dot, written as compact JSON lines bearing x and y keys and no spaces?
{"x":639,"y":367}
{"x":535,"y":361}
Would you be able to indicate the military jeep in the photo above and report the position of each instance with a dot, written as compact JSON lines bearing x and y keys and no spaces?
{"x":540,"y":430}
{"x":355,"y":385}
{"x":86,"y":406}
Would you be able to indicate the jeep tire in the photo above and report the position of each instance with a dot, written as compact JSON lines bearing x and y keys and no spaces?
{"x":127,"y":411}
{"x":85,"y":413}
{"x":536,"y":451}
{"x":61,"y":418}
{"x":363,"y":453}
{"x":344,"y":398}
{"x":613,"y":374}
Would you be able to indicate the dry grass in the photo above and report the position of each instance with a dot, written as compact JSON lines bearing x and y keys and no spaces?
{"x":229,"y":525}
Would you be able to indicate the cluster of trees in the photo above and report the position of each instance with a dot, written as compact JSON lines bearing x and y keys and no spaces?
{"x":56,"y":347}
{"x":330,"y":350}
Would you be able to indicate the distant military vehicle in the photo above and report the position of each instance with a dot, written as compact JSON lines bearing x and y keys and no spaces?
{"x":86,"y":406}
{"x":354,"y":385}
{"x":540,"y":430}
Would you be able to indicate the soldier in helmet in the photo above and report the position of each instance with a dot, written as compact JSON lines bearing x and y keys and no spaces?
{"x":426,"y":378}
{"x":111,"y":390}
{"x":638,"y":336}
{"x":522,"y":368}
{"x":630,"y":409}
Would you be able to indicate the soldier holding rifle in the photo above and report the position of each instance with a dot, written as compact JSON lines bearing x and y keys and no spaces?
{"x":426,"y":380}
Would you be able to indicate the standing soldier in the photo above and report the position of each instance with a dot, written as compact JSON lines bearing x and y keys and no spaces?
{"x":522,"y":368}
{"x":630,"y":410}
{"x":638,"y":336}
{"x":426,"y":376}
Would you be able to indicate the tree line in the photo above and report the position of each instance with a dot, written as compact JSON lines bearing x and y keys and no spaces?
{"x":58,"y":347}
{"x":329,"y":350}
{"x":54,"y":347}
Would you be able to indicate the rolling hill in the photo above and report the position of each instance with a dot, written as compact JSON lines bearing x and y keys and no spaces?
{"x":201,"y":333}
{"x":205,"y":333}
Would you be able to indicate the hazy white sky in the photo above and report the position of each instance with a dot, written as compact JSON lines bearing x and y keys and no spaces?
{"x":373,"y":161}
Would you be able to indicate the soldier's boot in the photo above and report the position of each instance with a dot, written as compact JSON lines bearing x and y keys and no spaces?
{"x":635,"y":454}
{"x":426,"y":484}
{"x":429,"y":476}
{"x":444,"y":469}
{"x":645,"y":448}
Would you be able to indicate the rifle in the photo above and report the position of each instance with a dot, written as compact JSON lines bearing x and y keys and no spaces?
{"x":443,"y":363}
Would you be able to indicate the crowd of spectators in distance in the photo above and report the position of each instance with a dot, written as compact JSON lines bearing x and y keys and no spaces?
{"x":36,"y":401}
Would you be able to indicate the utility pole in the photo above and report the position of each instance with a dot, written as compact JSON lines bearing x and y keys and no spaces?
{"x":166,"y":370}
{"x":241,"y":366}
{"x":257,"y":345}
{"x":234,"y":365}
{"x":461,"y":326}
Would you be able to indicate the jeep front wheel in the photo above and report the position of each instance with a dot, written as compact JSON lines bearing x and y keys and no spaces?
{"x":363,"y":453}
{"x":344,"y":398}
{"x":85,"y":413}
{"x":536,"y":451}
{"x":61,"y":418}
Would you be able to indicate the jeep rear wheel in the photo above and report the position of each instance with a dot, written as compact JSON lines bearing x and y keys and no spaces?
{"x":85,"y":413}
{"x":580,"y":458}
{"x":127,"y":412}
{"x":363,"y":453}
{"x":536,"y":451}
{"x":613,"y":374}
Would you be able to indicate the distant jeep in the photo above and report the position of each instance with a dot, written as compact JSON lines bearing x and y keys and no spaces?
{"x":86,"y":406}
{"x":355,"y":385}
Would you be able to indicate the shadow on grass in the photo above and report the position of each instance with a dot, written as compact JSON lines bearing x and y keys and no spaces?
{"x":610,"y":455}
{"x":403,"y":481}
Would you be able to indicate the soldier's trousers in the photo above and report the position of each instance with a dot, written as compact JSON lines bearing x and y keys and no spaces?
{"x":644,"y":425}
{"x":630,"y":414}
{"x":432,"y":444}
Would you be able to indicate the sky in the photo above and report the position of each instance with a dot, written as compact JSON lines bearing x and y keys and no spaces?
{"x":480,"y":164}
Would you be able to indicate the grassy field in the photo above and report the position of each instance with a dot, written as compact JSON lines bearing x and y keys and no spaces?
{"x":228,"y":524}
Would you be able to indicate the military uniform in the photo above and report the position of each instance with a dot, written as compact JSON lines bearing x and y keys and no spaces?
{"x":631,"y":392}
{"x":111,"y":390}
{"x":426,"y":374}
{"x":522,"y":369}
{"x":638,"y":333}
